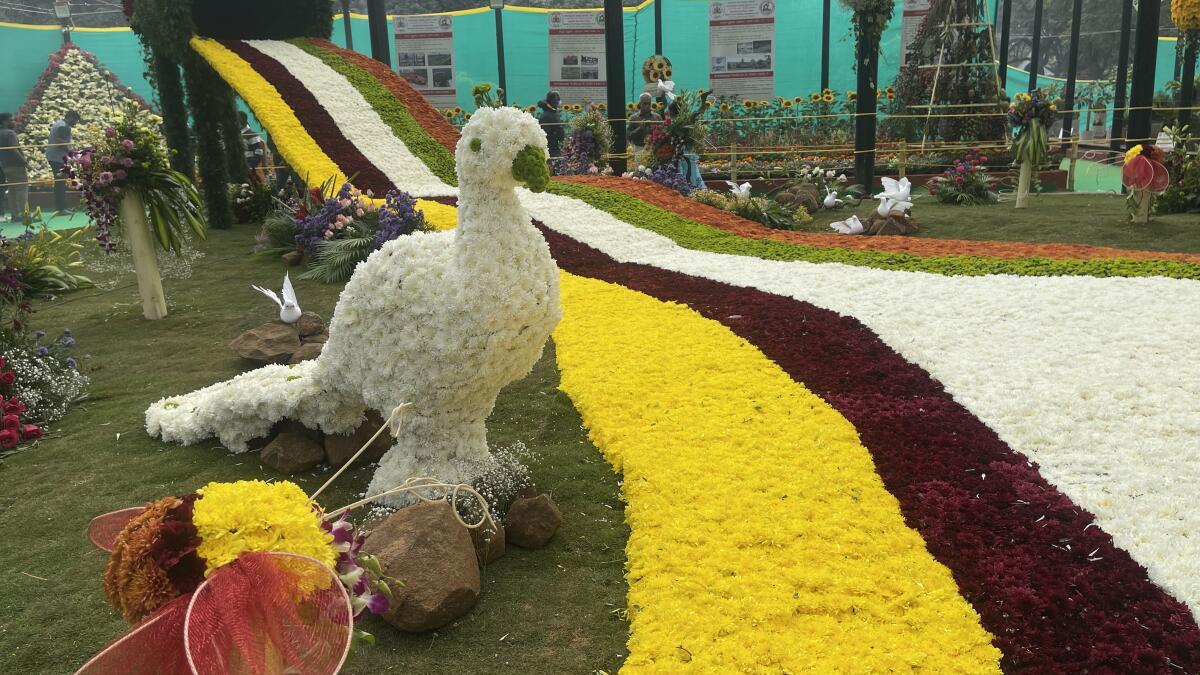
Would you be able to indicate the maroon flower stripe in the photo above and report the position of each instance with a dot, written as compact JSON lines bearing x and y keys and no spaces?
{"x":315,"y":119}
{"x":983,"y":509}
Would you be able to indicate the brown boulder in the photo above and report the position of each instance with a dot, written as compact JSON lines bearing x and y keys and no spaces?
{"x":292,"y":452}
{"x":319,"y":338}
{"x":895,"y":223}
{"x":339,"y":448}
{"x":310,"y":323}
{"x":307,"y":352}
{"x":532,"y":522}
{"x":427,"y":549}
{"x":292,"y":258}
{"x":489,"y":543}
{"x":273,"y":342}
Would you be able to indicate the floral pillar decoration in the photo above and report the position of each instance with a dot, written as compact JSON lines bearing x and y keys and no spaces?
{"x":1030,"y":116}
{"x":1145,"y":177}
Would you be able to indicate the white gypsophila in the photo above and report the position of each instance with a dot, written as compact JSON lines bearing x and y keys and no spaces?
{"x":442,"y":320}
{"x":357,"y":120}
{"x":44,"y":384}
{"x":109,"y":270}
{"x":1094,"y":378}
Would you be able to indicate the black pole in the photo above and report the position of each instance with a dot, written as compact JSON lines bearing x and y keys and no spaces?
{"x":614,"y":61}
{"x":658,"y":48}
{"x":1005,"y":22}
{"x":346,"y":24}
{"x":1118,"y":125}
{"x":1034,"y":55}
{"x":1178,"y":61}
{"x":502,"y":79}
{"x":378,"y":23}
{"x":867,"y":56}
{"x":1073,"y":68}
{"x":1145,"y":53}
{"x":1187,"y":88}
{"x":824,"y":45}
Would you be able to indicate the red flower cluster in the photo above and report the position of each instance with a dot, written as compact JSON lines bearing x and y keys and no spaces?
{"x":13,"y":429}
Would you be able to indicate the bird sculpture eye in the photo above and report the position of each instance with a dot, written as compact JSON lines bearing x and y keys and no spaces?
{"x":476,"y":145}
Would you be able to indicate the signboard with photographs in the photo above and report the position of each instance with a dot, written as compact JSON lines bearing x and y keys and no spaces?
{"x":577,"y":56}
{"x":425,"y":56}
{"x":741,"y":48}
{"x":913,"y":16}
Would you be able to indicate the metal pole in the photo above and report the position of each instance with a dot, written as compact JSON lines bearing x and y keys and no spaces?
{"x":614,"y":61}
{"x":1118,"y":125}
{"x":658,"y":35}
{"x":824,"y":45}
{"x":1004,"y":25}
{"x":1145,"y":53}
{"x":1187,"y":89}
{"x":867,"y":56}
{"x":1072,"y":68}
{"x":378,"y":24}
{"x":502,"y":79}
{"x":1034,"y":55}
{"x":346,"y":24}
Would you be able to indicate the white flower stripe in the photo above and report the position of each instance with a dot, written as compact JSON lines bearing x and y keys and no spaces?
{"x":1095,"y":379}
{"x":357,"y":120}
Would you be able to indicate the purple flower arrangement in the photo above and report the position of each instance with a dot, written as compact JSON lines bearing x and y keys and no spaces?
{"x":358,"y":571}
{"x":397,"y":217}
{"x":348,"y":214}
{"x":577,"y":153}
{"x":666,"y":175}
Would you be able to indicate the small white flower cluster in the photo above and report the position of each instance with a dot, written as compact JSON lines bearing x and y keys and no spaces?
{"x":442,"y":320}
{"x":44,"y":384}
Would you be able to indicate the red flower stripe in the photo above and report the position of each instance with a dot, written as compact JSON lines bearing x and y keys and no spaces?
{"x":671,"y":200}
{"x":983,"y":509}
{"x":430,"y":119}
{"x":315,"y":118}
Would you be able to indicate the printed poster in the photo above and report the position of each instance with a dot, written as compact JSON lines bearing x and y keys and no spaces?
{"x":741,"y":48}
{"x":577,"y":56}
{"x":913,"y":16}
{"x":425,"y":56}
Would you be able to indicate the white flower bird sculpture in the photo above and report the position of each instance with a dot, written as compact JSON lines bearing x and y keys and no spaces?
{"x":442,"y":320}
{"x":289,"y":307}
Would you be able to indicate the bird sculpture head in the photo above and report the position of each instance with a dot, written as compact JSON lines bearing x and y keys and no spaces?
{"x":502,"y":148}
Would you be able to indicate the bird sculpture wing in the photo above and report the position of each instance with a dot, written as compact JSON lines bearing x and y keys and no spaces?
{"x":289,"y":293}
{"x":856,"y":226}
{"x":891,"y":187}
{"x":269,"y":293}
{"x":851,"y":225}
{"x":742,"y":190}
{"x":666,"y":89}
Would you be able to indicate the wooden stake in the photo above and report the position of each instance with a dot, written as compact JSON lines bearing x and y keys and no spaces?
{"x":145,"y":258}
{"x":1071,"y":166}
{"x":903,"y":157}
{"x":1023,"y":184}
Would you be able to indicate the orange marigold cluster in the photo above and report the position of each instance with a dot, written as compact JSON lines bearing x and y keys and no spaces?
{"x":134,"y":583}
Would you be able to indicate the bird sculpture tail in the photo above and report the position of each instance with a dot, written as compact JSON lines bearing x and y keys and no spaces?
{"x":246,"y":407}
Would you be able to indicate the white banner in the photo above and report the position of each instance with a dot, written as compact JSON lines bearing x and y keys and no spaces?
{"x":425,"y":56}
{"x":741,"y":48}
{"x":913,"y":16}
{"x":577,"y":56}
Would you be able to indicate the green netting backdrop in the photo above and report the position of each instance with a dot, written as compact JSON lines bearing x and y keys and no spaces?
{"x":24,"y":51}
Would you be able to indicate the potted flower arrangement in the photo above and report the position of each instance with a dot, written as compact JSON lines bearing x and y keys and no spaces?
{"x":1145,"y":177}
{"x":1030,"y":116}
{"x":966,"y":183}
{"x":123,"y":178}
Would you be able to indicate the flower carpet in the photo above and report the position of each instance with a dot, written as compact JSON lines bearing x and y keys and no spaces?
{"x":906,"y":455}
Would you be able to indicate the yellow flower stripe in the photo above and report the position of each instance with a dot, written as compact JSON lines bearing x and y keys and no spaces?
{"x":762,"y":538}
{"x":298,"y":148}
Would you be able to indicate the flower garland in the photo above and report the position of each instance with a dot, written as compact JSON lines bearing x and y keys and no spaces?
{"x":1030,"y":116}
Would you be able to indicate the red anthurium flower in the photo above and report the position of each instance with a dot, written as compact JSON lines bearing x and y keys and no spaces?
{"x":9,"y":438}
{"x":30,"y":432}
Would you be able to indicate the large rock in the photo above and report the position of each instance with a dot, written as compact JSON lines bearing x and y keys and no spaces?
{"x":307,"y":352}
{"x":292,"y":452}
{"x":425,"y":547}
{"x":310,"y":323}
{"x":532,"y":522}
{"x":292,"y":258}
{"x":273,"y":342}
{"x":488,"y":542}
{"x":339,"y":448}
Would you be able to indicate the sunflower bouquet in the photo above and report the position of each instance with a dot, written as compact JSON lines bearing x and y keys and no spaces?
{"x":656,"y":68}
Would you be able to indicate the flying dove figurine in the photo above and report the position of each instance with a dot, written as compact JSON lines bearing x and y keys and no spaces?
{"x":740,"y":191}
{"x":896,"y":195}
{"x":851,"y":225}
{"x":289,"y":309}
{"x":831,"y":199}
{"x":665,"y":89}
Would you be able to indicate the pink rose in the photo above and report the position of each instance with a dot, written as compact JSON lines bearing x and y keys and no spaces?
{"x":9,"y":438}
{"x":30,"y":431}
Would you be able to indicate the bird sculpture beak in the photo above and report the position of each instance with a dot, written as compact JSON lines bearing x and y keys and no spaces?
{"x":529,"y":167}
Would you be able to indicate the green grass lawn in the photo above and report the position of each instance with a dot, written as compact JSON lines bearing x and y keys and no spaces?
{"x":1096,"y":219}
{"x":552,"y":611}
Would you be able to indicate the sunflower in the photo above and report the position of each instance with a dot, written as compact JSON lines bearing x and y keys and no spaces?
{"x":827,"y":96}
{"x":457,"y":110}
{"x":602,"y":106}
{"x":764,"y":103}
{"x":787,"y":103}
{"x":814,"y":97}
{"x":531,"y":109}
{"x":852,"y":96}
{"x":891,"y":95}
{"x":827,"y":92}
{"x":667,"y":73}
{"x":891,"y":90}
{"x":747,"y":103}
{"x":798,"y":100}
{"x":656,"y":106}
{"x":725,"y":107}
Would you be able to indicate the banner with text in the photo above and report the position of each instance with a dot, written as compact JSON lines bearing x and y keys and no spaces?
{"x":425,"y":56}
{"x":741,"y":48}
{"x":913,"y":16}
{"x":577,"y":56}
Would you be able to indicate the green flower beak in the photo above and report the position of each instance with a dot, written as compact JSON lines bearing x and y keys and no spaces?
{"x":530,"y":168}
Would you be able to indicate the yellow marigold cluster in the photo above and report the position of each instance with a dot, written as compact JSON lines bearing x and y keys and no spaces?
{"x":762,"y":539}
{"x":253,"y":515}
{"x":1134,"y":151}
{"x":133,"y":581}
{"x":1186,"y":14}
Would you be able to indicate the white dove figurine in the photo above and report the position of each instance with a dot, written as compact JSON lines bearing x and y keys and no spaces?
{"x":740,"y":191}
{"x":289,"y":309}
{"x":851,"y":225}
{"x":665,"y":89}
{"x":831,"y":199}
{"x":896,"y":195}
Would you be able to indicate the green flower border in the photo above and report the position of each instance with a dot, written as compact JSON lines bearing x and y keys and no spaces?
{"x":697,"y":236}
{"x":392,"y":111}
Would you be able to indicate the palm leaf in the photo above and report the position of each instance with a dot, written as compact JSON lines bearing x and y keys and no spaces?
{"x":335,"y":260}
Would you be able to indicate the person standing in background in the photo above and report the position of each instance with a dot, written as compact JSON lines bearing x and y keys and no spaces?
{"x":640,"y":122}
{"x":551,"y":122}
{"x":13,"y":170}
{"x":253,"y":146}
{"x":56,"y":153}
